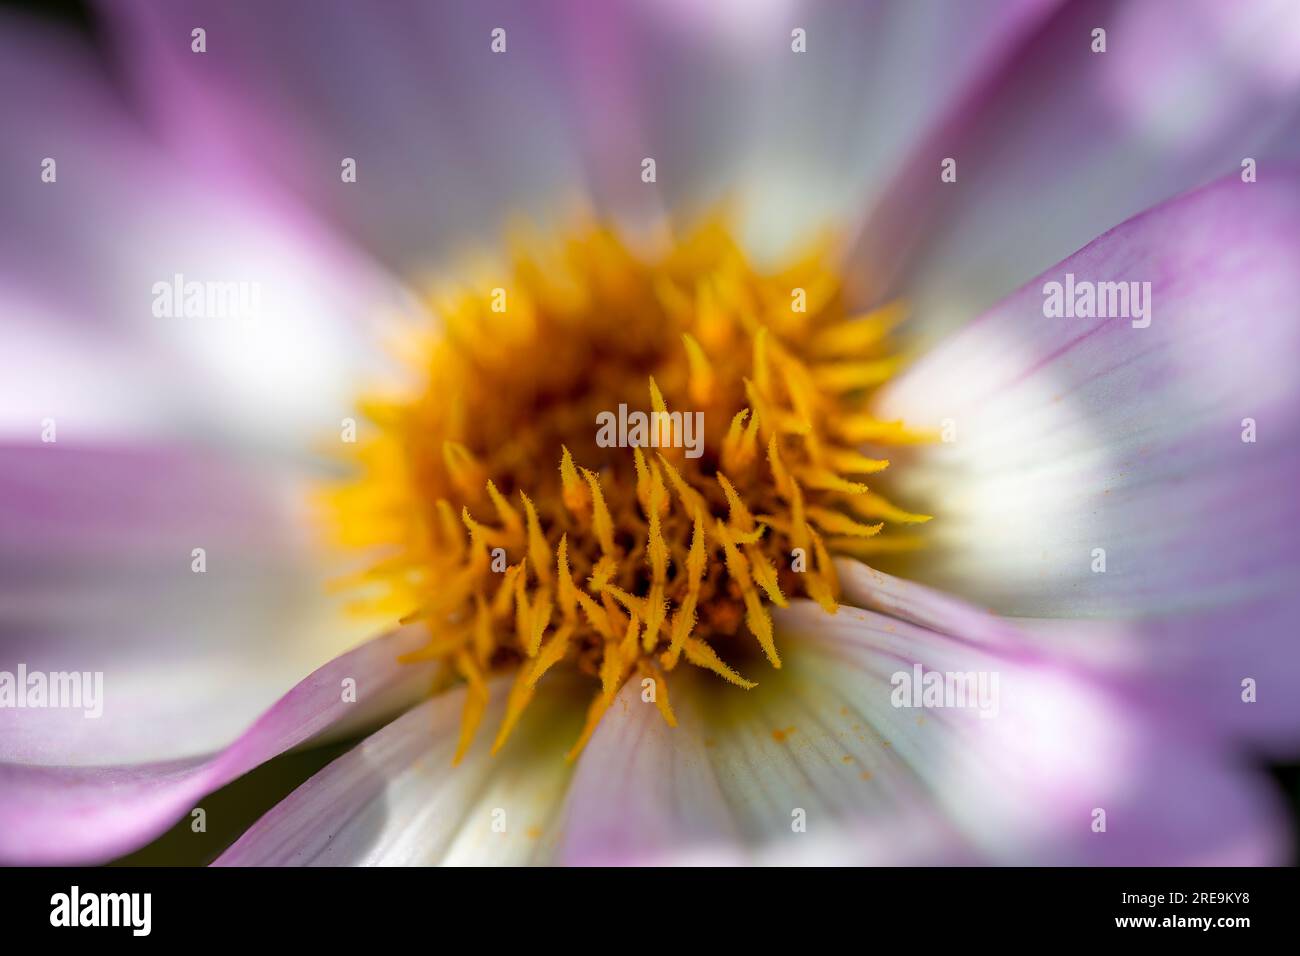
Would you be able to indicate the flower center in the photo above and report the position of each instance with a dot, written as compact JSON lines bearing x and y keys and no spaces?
{"x":619,"y":463}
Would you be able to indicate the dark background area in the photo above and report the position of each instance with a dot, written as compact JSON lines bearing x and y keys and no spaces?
{"x":231,"y":810}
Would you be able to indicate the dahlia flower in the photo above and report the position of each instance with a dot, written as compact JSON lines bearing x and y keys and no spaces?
{"x":654,"y":432}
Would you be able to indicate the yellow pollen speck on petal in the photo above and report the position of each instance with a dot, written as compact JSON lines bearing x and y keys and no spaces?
{"x":741,"y":435}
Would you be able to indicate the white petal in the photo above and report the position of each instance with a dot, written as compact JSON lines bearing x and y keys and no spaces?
{"x":397,"y":800}
{"x":1078,"y":436}
{"x":98,"y":550}
{"x":90,"y":814}
{"x":821,"y":744}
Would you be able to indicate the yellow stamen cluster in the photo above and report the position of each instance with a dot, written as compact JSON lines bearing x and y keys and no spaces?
{"x":525,"y":545}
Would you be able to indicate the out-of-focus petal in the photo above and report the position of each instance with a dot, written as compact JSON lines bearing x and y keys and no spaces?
{"x":447,"y":135}
{"x":87,"y":814}
{"x":1073,"y":434}
{"x":271,"y":352}
{"x":397,"y":800}
{"x":645,"y":792}
{"x":826,"y":129}
{"x":719,"y":97}
{"x":821,"y":744}
{"x":1075,"y":437}
{"x":1069,"y":143}
{"x":97,"y":550}
{"x":585,"y":91}
{"x":1192,"y":662}
{"x":816,"y":765}
{"x":1233,"y":666}
{"x":1024,"y":784}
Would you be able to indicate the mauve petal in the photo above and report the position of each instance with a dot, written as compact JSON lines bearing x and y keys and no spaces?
{"x":1189,"y":663}
{"x":56,"y":370}
{"x":1079,"y":434}
{"x":1022,"y":786}
{"x":96,"y":550}
{"x":722,"y":787}
{"x":645,"y":792}
{"x":58,"y":105}
{"x":586,"y":91}
{"x":824,"y":131}
{"x":1070,"y":143}
{"x":396,"y":799}
{"x":56,"y":362}
{"x":879,"y":784}
{"x":447,"y":136}
{"x":1199,"y":663}
{"x":717,"y":96}
{"x":875,"y":783}
{"x":82,"y":255}
{"x":75,"y":500}
{"x":1283,"y":147}
{"x":79,"y":815}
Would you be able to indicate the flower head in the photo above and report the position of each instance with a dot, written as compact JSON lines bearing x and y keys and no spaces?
{"x":534,"y":528}
{"x":613,"y":496}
